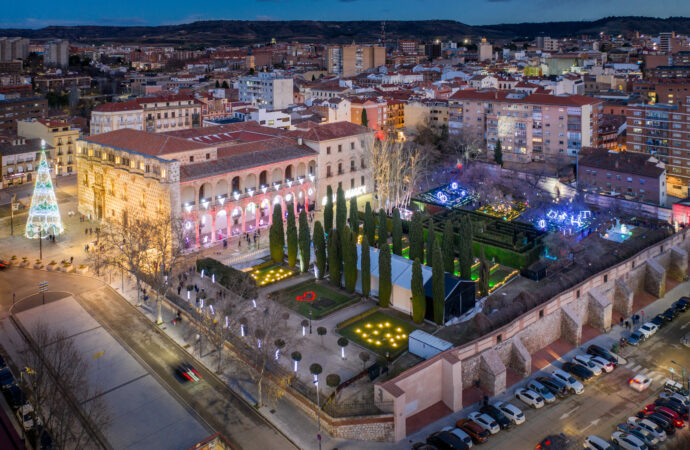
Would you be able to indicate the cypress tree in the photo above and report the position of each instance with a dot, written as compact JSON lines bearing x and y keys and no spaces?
{"x":291,"y":236}
{"x":416,"y":238}
{"x":369,"y":224}
{"x":334,"y":261}
{"x":340,"y":210}
{"x":385,"y":277}
{"x":276,"y":235}
{"x":397,"y":232}
{"x":418,"y":295}
{"x":448,"y":249}
{"x":320,"y":249}
{"x":466,"y":257}
{"x":438,"y":284}
{"x":349,"y":259}
{"x":430,"y":238}
{"x":483,"y":275}
{"x":498,"y":153}
{"x":328,"y":211}
{"x":365,"y":120}
{"x":366,"y":267}
{"x":304,"y":241}
{"x":383,"y":229}
{"x":354,"y":217}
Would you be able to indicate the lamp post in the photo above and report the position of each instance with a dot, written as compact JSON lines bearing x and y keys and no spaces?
{"x":318,"y":409}
{"x":310,"y":320}
{"x":685,"y":380}
{"x":40,"y":242}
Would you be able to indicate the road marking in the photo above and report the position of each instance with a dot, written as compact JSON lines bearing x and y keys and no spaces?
{"x":636,"y":368}
{"x":630,"y":364}
{"x":592,"y":423}
{"x":656,"y":376}
{"x":682,"y":327}
{"x":567,"y":414}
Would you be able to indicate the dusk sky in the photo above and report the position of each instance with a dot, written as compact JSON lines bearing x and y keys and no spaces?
{"x":40,"y":13}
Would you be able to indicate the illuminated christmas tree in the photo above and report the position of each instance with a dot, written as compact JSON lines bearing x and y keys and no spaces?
{"x":44,"y":214}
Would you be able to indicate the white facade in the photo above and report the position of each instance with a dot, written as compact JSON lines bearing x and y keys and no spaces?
{"x":268,"y":90}
{"x":56,"y":53}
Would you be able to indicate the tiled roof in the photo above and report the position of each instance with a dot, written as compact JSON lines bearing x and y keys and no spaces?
{"x":536,"y":98}
{"x":152,"y":144}
{"x":137,"y":103}
{"x":239,"y":131}
{"x":29,"y":146}
{"x":329,"y":131}
{"x":624,"y":162}
{"x":129,"y":105}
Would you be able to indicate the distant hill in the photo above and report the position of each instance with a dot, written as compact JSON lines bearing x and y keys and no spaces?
{"x":236,"y":32}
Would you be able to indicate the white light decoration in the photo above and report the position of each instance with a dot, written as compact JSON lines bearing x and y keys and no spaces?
{"x":454,"y":185}
{"x":44,"y":214}
{"x":311,"y":177}
{"x":221,"y":200}
{"x":254,"y":302}
{"x":277,"y":354}
{"x":301,"y":194}
{"x":264,"y":189}
{"x":188,"y":225}
{"x":250,"y":192}
{"x":213,"y":313}
{"x":205,"y":204}
{"x":226,"y":322}
{"x":258,"y":343}
{"x":294,"y":368}
{"x":236,"y":195}
{"x":188,"y":294}
{"x":201,"y":303}
{"x":301,"y":180}
{"x":304,"y":331}
{"x":288,"y":197}
{"x":202,"y":273}
{"x":242,"y":330}
{"x":289,"y":183}
{"x":276,"y":186}
{"x":188,"y":207}
{"x":310,"y":191}
{"x":342,"y":352}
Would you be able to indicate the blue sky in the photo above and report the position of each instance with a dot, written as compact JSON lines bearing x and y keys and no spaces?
{"x":40,"y":13}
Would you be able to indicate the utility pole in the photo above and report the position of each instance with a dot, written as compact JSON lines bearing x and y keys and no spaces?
{"x":12,"y":202}
{"x":40,"y":242}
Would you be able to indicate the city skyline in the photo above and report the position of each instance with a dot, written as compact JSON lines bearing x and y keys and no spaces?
{"x":486,"y":12}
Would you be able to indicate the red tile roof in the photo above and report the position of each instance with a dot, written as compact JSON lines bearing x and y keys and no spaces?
{"x":152,"y":144}
{"x":536,"y":98}
{"x":329,"y":131}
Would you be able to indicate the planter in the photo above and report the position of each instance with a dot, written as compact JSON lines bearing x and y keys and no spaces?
{"x":24,"y":263}
{"x":51,"y":267}
{"x":66,"y":268}
{"x":82,"y":270}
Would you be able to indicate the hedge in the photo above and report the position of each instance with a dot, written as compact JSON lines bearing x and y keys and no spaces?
{"x":354,"y":319}
{"x":227,"y":276}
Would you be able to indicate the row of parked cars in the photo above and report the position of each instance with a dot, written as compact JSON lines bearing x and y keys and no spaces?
{"x":24,"y":412}
{"x":649,"y":329}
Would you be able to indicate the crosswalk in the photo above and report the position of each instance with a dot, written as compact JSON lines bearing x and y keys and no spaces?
{"x":654,"y":375}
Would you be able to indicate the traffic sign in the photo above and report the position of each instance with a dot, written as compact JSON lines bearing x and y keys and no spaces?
{"x":42,"y":287}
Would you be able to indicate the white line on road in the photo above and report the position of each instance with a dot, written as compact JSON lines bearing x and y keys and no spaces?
{"x":592,"y":423}
{"x":567,"y":414}
{"x":636,"y":368}
{"x":630,"y":364}
{"x":682,"y":327}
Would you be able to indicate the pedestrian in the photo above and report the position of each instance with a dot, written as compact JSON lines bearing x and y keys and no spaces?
{"x":71,"y":259}
{"x":621,"y":322}
{"x":627,"y":325}
{"x":86,"y":231}
{"x":90,"y":230}
{"x":179,"y":289}
{"x":239,"y":243}
{"x":196,"y":288}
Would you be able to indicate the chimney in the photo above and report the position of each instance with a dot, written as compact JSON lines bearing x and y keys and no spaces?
{"x":299,"y":140}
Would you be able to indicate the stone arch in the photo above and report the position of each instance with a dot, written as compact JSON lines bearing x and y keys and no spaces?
{"x":236,"y":185}
{"x":250,"y":182}
{"x":236,"y":221}
{"x":301,"y":170}
{"x":205,"y":192}
{"x":221,"y":225}
{"x":250,"y":216}
{"x":263,"y":178}
{"x":265,"y":213}
{"x":312,"y":167}
{"x":188,"y":195}
{"x":290,"y":172}
{"x":221,"y":188}
{"x":206,"y":229}
{"x":277,"y":175}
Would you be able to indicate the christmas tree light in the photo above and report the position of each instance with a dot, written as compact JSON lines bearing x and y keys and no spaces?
{"x":44,"y":214}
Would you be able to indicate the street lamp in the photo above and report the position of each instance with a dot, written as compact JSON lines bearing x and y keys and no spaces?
{"x":310,"y":320}
{"x":685,"y":380}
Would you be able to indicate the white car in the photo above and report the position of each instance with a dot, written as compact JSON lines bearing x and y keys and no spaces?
{"x":464,"y":437}
{"x":639,"y":382}
{"x":574,"y":385}
{"x":512,"y":412}
{"x":25,"y":415}
{"x":485,"y":421}
{"x":530,"y":398}
{"x":584,"y":361}
{"x":542,"y":390}
{"x":628,"y":441}
{"x":606,"y":365}
{"x":649,"y":426}
{"x":649,"y":329}
{"x":597,"y":443}
{"x":675,"y":396}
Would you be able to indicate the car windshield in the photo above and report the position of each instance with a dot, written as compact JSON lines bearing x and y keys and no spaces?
{"x":484,"y":433}
{"x":571,"y":380}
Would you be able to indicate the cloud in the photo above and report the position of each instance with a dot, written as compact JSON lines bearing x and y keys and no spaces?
{"x":266,"y":18}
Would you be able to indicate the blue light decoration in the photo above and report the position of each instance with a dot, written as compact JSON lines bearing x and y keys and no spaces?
{"x":565,"y":221}
{"x":449,"y":196}
{"x":441,"y":196}
{"x":454,"y":185}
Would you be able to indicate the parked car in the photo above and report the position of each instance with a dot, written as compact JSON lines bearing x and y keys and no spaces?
{"x":596,"y":443}
{"x":647,"y":436}
{"x":676,"y":387}
{"x":648,"y":329}
{"x":529,"y":398}
{"x":682,"y":304}
{"x":464,"y":437}
{"x":674,"y":406}
{"x":606,"y":365}
{"x":675,"y":397}
{"x":650,"y":409}
{"x":497,"y":415}
{"x":17,"y":397}
{"x":512,"y":412}
{"x":485,"y":421}
{"x":627,"y":441}
{"x":6,"y":378}
{"x":648,"y":425}
{"x":659,"y":320}
{"x":477,"y":433}
{"x":579,"y":371}
{"x":556,"y":386}
{"x":639,"y":382}
{"x":542,"y":390}
{"x":25,"y":416}
{"x":636,"y":338}
{"x":444,"y":440}
{"x":186,"y":372}
{"x":554,"y":441}
{"x":670,"y":313}
{"x":600,"y":351}
{"x":573,"y":385}
{"x":664,"y":422}
{"x":585,"y":362}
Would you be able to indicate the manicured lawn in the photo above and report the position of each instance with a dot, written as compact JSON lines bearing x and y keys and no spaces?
{"x":380,"y":333}
{"x":320,"y":298}
{"x":269,"y":273}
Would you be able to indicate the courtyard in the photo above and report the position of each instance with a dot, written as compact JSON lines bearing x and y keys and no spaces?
{"x":315,"y":299}
{"x":380,"y":332}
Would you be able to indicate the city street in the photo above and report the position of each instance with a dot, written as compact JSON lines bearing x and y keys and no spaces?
{"x":210,"y":399}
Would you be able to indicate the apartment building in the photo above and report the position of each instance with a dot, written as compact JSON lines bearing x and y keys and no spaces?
{"x":60,"y":135}
{"x":547,"y":44}
{"x":12,"y":110}
{"x":351,"y":60}
{"x":270,"y":90}
{"x":664,"y":132}
{"x":433,"y":113}
{"x":12,"y":48}
{"x":485,"y":50}
{"x":19,"y":160}
{"x":635,"y":176}
{"x":531,"y":127}
{"x":667,"y":91}
{"x":376,"y":112}
{"x":56,"y":53}
{"x":48,"y":83}
{"x":152,"y":114}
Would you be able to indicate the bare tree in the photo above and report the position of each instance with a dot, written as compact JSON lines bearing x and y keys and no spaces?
{"x":55,"y":375}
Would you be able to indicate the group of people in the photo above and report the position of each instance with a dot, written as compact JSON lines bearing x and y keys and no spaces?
{"x":634,"y":320}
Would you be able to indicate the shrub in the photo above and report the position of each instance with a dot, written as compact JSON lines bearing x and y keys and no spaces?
{"x":333,"y":380}
{"x":240,"y":283}
{"x":315,"y":369}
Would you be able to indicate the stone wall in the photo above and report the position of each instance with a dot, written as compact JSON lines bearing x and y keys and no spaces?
{"x":655,"y":278}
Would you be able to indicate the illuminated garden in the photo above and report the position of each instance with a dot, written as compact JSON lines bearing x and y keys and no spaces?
{"x":269,"y":273}
{"x":317,"y":298}
{"x":379,"y":332}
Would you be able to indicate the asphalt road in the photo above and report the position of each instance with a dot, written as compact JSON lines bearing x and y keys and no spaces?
{"x":210,"y":400}
{"x":607,"y":400}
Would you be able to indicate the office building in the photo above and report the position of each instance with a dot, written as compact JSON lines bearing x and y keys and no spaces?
{"x":351,"y":60}
{"x":269,"y":90}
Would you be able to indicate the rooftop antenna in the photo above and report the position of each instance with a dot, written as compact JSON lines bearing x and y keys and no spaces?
{"x":383,"y":33}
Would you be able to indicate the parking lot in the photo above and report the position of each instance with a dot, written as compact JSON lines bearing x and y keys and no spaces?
{"x":607,"y":399}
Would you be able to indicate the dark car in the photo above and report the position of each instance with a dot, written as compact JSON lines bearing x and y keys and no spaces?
{"x":16,"y":396}
{"x":4,"y":264}
{"x":664,"y":422}
{"x":673,"y":406}
{"x":497,"y":415}
{"x":682,"y":304}
{"x":2,"y":362}
{"x":636,"y":338}
{"x":554,"y":441}
{"x":445,"y":440}
{"x":670,"y":314}
{"x":186,"y":372}
{"x":476,"y":432}
{"x":579,"y":371}
{"x":600,"y":351}
{"x":659,"y":320}
{"x":557,"y":388}
{"x":6,"y":378}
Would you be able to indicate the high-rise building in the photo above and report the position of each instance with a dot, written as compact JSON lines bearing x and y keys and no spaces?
{"x":12,"y":110}
{"x":484,"y":50}
{"x":13,"y":48}
{"x":269,"y":90}
{"x":56,"y":53}
{"x":350,"y":60}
